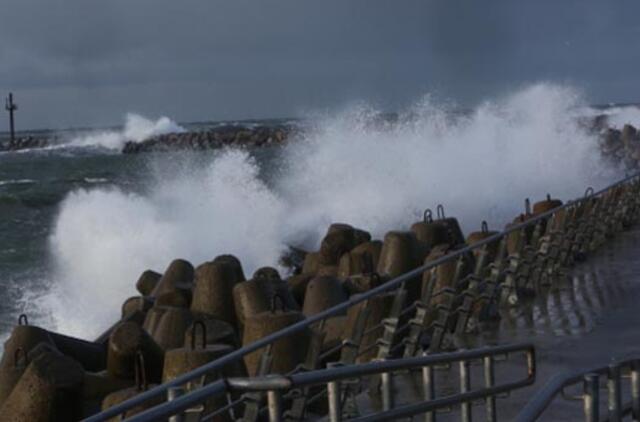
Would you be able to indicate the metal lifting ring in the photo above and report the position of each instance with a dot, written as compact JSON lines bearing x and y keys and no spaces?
{"x":16,"y":357}
{"x":203,"y":330}
{"x":548,"y":197}
{"x":589,"y":191}
{"x":440,"y":212}
{"x":428,"y":216}
{"x":140,"y":372}
{"x":23,"y":320}
{"x":274,"y":300}
{"x":527,"y":206}
{"x":485,"y":227}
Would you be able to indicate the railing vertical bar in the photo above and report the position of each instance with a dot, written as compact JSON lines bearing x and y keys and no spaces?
{"x":465,"y":387}
{"x":333,"y":397}
{"x":429,"y":391}
{"x":591,"y":398}
{"x":635,"y":390}
{"x":274,"y":403}
{"x":489,"y":381}
{"x":172,"y":394}
{"x":614,"y":395}
{"x":387,"y":390}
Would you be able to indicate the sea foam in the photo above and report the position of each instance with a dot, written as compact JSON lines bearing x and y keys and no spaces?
{"x":136,"y":129}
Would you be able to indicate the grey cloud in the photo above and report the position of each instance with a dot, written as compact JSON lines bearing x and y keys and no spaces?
{"x":78,"y":62}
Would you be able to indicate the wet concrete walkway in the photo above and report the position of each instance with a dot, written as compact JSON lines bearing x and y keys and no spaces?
{"x":585,"y":321}
{"x":595,"y":318}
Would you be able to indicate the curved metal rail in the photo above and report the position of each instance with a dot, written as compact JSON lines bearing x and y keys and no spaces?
{"x":591,"y":392}
{"x":585,"y":222}
{"x":277,"y":385}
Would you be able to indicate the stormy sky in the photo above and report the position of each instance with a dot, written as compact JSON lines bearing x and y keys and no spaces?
{"x":87,"y":63}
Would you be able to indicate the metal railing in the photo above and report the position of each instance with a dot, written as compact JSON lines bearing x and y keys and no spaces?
{"x":528,"y":255}
{"x":590,"y":397}
{"x":276,"y":386}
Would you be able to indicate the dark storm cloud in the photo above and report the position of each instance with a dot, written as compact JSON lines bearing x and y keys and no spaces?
{"x":79,"y":62}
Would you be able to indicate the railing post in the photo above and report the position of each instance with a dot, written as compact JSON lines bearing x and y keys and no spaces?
{"x":635,"y":390}
{"x":274,"y":404}
{"x":429,"y":391}
{"x":172,"y":394}
{"x":613,"y":389}
{"x":591,"y":398}
{"x":333,"y":396}
{"x":489,"y":381}
{"x":387,"y":390}
{"x":465,"y":387}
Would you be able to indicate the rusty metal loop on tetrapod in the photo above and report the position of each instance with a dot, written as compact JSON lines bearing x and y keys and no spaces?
{"x":440,"y":212}
{"x":589,"y":191}
{"x":274,"y":300}
{"x":16,"y":357}
{"x":140,"y":372}
{"x":484,"y":227}
{"x":203,"y":329}
{"x":427,"y":216}
{"x":23,"y":318}
{"x":527,"y":206}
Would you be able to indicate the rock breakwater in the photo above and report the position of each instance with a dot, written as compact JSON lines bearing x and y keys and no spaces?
{"x":213,"y":138}
{"x":27,"y":142}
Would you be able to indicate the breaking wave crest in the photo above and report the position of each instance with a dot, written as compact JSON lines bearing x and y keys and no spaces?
{"x":136,"y":129}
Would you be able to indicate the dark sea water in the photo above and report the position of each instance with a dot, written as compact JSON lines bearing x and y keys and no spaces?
{"x":80,"y":221}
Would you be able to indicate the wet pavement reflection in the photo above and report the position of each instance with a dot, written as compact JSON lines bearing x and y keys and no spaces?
{"x":588,"y":318}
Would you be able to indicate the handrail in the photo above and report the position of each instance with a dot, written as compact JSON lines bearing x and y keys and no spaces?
{"x":323,"y":376}
{"x":335,"y":310}
{"x":556,"y":385}
{"x":435,"y":404}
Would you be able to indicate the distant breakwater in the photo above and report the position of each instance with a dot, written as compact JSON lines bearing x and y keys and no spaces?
{"x":27,"y":142}
{"x":213,"y":138}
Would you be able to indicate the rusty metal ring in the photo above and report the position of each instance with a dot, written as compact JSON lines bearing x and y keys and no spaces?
{"x":427,"y":216}
{"x":589,"y":191}
{"x":440,"y":212}
{"x":527,"y":206}
{"x":485,"y":227}
{"x":23,"y":318}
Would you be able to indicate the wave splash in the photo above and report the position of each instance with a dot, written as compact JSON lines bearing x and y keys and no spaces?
{"x":137,"y":129}
{"x":349,"y":166}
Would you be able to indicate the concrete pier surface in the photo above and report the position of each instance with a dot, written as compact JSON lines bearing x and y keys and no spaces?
{"x":587,"y":320}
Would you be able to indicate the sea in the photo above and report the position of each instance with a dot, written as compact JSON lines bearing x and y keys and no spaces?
{"x":80,"y":221}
